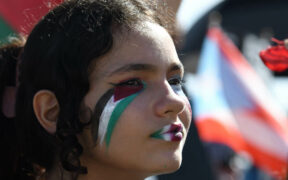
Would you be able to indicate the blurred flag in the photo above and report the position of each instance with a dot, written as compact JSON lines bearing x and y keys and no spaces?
{"x":19,"y":16}
{"x":233,"y":106}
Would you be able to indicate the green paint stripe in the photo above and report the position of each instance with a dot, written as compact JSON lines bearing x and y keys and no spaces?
{"x":120,"y":107}
{"x":5,"y":31}
{"x":157,"y":134}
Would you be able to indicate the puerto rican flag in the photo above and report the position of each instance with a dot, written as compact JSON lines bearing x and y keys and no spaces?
{"x":20,"y":16}
{"x":232,"y":106}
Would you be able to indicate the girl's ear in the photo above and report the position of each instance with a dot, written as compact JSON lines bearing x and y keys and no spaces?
{"x":46,"y":109}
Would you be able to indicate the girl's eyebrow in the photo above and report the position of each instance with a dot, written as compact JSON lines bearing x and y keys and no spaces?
{"x":145,"y":67}
{"x":134,"y":67}
{"x":176,"y":67}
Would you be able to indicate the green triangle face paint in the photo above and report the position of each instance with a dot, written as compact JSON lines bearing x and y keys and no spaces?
{"x":119,"y":109}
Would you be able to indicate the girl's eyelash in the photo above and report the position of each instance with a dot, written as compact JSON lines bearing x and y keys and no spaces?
{"x":137,"y":82}
{"x":129,"y":82}
{"x":176,"y":81}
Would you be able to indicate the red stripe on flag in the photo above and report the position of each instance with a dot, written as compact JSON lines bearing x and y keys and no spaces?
{"x":211,"y":130}
{"x":23,"y":15}
{"x":281,"y":130}
{"x":275,"y":166}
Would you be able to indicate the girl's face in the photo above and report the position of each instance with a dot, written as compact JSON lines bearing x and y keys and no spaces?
{"x":135,"y":93}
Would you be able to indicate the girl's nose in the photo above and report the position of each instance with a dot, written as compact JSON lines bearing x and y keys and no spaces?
{"x":169,"y":103}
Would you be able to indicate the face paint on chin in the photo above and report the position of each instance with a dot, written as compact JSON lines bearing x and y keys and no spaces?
{"x":109,"y":109}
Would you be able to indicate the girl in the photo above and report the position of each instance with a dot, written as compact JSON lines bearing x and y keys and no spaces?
{"x":99,"y":94}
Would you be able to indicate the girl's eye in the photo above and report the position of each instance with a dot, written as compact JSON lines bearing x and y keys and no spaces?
{"x":131,"y":82}
{"x":176,"y":81}
{"x":176,"y":84}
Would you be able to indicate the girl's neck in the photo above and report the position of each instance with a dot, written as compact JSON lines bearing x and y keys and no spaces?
{"x":107,"y":172}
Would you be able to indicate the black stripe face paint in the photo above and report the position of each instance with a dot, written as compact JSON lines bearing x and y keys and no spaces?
{"x":98,"y":111}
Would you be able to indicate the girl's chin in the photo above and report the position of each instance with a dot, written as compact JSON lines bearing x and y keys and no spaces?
{"x":168,"y":167}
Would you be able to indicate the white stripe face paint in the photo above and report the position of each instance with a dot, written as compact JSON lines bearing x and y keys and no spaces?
{"x":105,"y":117}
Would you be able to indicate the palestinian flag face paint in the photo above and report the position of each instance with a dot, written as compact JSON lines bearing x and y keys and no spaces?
{"x":115,"y":101}
{"x":171,"y":132}
{"x":112,"y":104}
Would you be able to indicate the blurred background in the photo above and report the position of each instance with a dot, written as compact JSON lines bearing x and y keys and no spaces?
{"x":19,"y":17}
{"x":240,"y":127}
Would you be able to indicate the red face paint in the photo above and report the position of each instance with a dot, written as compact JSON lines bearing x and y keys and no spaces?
{"x":276,"y":57}
{"x":127,"y":88}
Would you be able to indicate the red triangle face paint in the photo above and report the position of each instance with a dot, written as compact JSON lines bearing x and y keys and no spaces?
{"x":276,"y":57}
{"x":123,"y":91}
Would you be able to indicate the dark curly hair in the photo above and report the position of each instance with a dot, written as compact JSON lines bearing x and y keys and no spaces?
{"x":57,"y":56}
{"x":8,"y":61}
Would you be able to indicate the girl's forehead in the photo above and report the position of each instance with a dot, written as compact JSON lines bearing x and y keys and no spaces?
{"x":150,"y":45}
{"x":147,"y":32}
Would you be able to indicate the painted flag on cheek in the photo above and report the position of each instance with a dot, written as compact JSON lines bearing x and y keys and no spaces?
{"x":123,"y":95}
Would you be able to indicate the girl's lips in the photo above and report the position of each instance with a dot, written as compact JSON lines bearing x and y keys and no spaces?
{"x":171,"y":132}
{"x":174,"y":128}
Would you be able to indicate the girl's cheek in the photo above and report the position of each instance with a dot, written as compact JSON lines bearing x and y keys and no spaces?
{"x":188,"y":107}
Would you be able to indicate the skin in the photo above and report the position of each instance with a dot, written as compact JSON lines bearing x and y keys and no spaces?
{"x":132,"y":153}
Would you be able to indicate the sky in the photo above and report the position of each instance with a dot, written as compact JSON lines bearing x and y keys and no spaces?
{"x":191,"y":10}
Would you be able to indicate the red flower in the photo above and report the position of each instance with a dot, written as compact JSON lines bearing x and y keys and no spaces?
{"x":276,"y":57}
